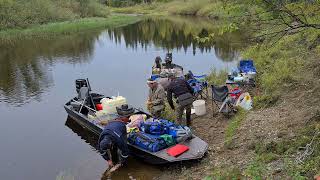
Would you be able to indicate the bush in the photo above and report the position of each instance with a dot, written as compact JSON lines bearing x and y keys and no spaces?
{"x":217,"y":78}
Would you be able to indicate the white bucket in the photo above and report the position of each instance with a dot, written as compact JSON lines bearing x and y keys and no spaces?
{"x":200,"y":107}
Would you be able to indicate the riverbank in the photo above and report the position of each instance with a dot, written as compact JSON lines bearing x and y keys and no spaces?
{"x":200,"y":8}
{"x":52,"y":30}
{"x":24,"y":14}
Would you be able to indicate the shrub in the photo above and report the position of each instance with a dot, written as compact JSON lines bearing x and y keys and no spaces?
{"x":217,"y":78}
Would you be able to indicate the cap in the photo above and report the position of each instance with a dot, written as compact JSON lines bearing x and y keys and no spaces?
{"x":150,"y":80}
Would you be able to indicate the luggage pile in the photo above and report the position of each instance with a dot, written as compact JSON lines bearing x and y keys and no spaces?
{"x":157,"y":134}
{"x":244,"y":73}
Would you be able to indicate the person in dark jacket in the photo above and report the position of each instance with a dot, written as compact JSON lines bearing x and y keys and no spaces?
{"x":168,"y":63}
{"x":156,"y":68}
{"x":113,"y":142}
{"x":182,"y":91}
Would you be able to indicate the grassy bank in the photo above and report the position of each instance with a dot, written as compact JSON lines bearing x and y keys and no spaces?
{"x":65,"y":28}
{"x":23,"y":14}
{"x":202,"y":8}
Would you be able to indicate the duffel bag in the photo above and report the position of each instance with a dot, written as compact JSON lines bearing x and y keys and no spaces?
{"x":156,"y":127}
{"x":146,"y":141}
{"x":180,"y":133}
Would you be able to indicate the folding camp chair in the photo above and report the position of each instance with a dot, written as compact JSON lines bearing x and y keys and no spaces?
{"x":220,"y":95}
{"x":198,"y":84}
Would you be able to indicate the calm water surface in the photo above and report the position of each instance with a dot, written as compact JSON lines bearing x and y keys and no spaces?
{"x":37,"y":78}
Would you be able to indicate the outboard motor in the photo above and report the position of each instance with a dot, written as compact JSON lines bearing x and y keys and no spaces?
{"x":169,"y":56}
{"x":81,"y":83}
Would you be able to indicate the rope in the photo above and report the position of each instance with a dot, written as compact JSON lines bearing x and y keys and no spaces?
{"x":308,"y":149}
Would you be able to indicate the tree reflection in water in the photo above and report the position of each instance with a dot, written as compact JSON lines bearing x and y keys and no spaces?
{"x":179,"y":33}
{"x":25,"y":66}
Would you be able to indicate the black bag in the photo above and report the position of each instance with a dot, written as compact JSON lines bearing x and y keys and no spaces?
{"x":185,"y":99}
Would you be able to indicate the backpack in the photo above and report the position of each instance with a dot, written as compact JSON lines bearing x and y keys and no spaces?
{"x":185,"y":99}
{"x":146,"y":141}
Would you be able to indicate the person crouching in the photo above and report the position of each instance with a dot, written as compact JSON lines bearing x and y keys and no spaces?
{"x":113,"y":143}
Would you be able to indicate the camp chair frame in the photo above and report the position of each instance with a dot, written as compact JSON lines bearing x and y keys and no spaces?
{"x":203,"y":93}
{"x":221,"y":95}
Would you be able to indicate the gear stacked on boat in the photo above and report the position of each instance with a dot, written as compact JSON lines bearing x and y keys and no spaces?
{"x":156,"y":134}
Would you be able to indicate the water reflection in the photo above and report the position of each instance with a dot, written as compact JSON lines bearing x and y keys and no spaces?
{"x":86,"y":135}
{"x":130,"y":171}
{"x":25,"y":66}
{"x":178,"y":33}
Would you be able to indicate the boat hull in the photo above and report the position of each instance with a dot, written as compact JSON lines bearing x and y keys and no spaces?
{"x":197,"y":147}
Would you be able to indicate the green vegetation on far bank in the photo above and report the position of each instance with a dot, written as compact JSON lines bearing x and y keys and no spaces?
{"x":65,"y":28}
{"x":47,"y":18}
{"x":23,"y":14}
{"x":203,"y":8}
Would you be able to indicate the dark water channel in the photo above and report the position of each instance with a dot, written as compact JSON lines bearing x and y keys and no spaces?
{"x":37,"y":78}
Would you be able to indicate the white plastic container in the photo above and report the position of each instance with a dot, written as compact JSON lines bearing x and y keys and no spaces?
{"x":200,"y":107}
{"x":109,"y":105}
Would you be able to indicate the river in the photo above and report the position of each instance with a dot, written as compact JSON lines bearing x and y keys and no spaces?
{"x":37,"y":77}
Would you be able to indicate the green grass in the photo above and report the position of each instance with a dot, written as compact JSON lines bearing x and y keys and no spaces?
{"x":169,"y":113}
{"x":225,"y":173}
{"x":23,"y":14}
{"x":65,"y":28}
{"x":217,"y":77}
{"x":233,"y":125}
{"x":279,"y":66}
{"x":203,"y":8}
{"x":286,"y":150}
{"x":255,"y":170}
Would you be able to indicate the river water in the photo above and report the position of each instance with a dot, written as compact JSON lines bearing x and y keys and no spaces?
{"x":37,"y":78}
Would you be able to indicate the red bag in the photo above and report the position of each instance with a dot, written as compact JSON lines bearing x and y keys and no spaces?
{"x":177,"y":150}
{"x":99,"y":107}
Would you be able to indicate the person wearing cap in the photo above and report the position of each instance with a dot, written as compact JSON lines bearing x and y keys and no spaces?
{"x":156,"y":98}
{"x":113,"y":143}
{"x":182,"y":91}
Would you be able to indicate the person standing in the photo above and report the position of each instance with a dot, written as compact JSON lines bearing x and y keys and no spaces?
{"x":156,"y":98}
{"x":182,"y":91}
